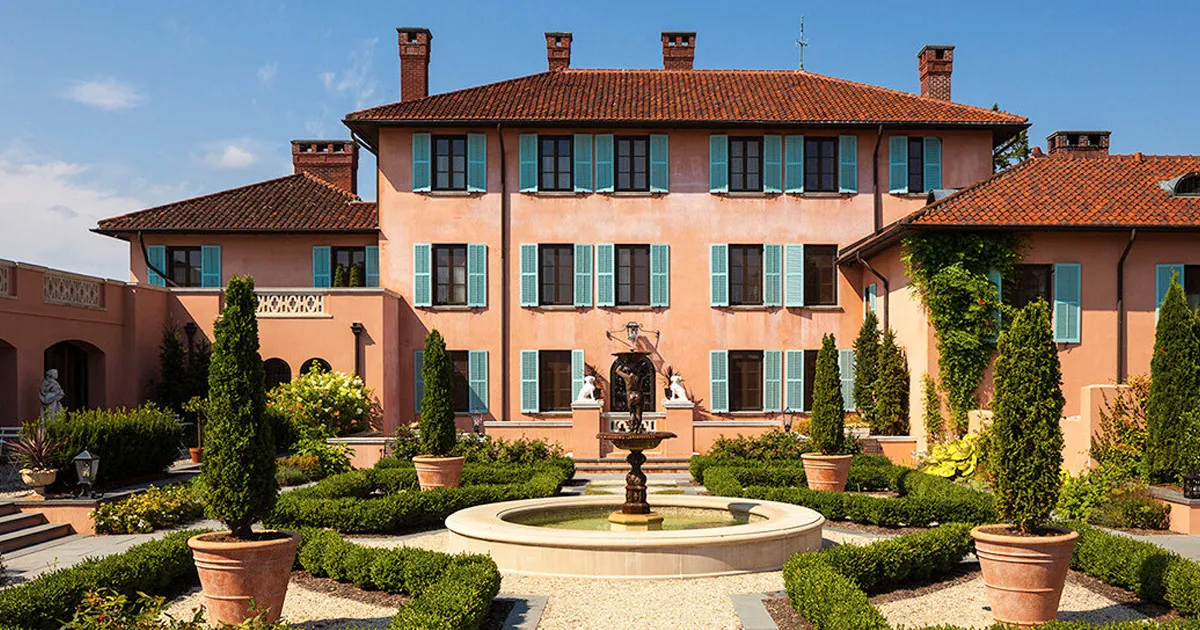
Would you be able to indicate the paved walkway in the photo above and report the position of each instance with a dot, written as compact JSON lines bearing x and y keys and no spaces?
{"x":1186,"y":546}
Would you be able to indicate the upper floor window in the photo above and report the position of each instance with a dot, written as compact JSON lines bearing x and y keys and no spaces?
{"x":633,"y":163}
{"x":349,"y":266}
{"x":916,"y":165}
{"x":554,"y":380}
{"x":820,"y":275}
{"x":745,"y":164}
{"x":633,"y":275}
{"x":450,"y":275}
{"x":184,"y":266}
{"x":556,"y":275}
{"x":745,"y":275}
{"x":450,"y":162}
{"x":1028,"y":283}
{"x":820,"y":164}
{"x":555,"y":163}
{"x":792,"y":275}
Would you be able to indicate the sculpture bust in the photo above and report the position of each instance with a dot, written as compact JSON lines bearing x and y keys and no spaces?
{"x":587,"y":393}
{"x":675,"y":391}
{"x":51,"y":395}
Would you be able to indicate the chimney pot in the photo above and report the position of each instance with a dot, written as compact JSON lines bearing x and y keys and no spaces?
{"x":414,"y":43}
{"x":1079,"y":143}
{"x":934,"y":64}
{"x":558,"y":50}
{"x":679,"y":49}
{"x":332,"y":161}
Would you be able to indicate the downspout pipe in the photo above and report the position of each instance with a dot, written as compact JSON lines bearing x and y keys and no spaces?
{"x":886,"y":288}
{"x":1122,"y":359}
{"x":146,"y":257}
{"x":505,"y":282}
{"x":875,"y":182}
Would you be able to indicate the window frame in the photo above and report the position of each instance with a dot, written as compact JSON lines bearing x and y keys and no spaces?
{"x":743,"y":388}
{"x":746,"y":279}
{"x":1015,"y":286}
{"x":450,"y":285}
{"x":352,"y":252}
{"x":637,"y":277}
{"x":1191,"y":285}
{"x":554,"y":381}
{"x":193,"y":274}
{"x":812,"y":279}
{"x":745,"y":142}
{"x":450,"y":172}
{"x":916,"y":165}
{"x":564,"y":181}
{"x":564,"y":274}
{"x":813,"y":162}
{"x":631,"y":172}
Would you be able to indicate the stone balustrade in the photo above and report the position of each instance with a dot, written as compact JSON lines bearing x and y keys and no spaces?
{"x":71,"y":290}
{"x":291,"y":303}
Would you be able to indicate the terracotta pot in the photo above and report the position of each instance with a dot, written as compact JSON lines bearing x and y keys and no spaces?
{"x":1024,"y":574}
{"x":826,"y":472}
{"x":197,"y":454}
{"x":438,"y":472}
{"x":38,"y":480}
{"x":234,"y":573}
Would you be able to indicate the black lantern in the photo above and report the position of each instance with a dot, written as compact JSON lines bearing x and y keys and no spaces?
{"x":1191,"y":485}
{"x":789,"y":419}
{"x":87,"y":466}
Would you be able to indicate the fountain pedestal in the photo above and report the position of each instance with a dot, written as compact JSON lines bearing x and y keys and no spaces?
{"x":635,"y":513}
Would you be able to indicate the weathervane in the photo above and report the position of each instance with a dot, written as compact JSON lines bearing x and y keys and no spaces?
{"x":801,"y":42}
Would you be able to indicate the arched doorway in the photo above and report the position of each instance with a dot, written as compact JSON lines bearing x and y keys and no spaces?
{"x":641,"y":365}
{"x":315,"y":362}
{"x":277,"y":371}
{"x":8,"y":385}
{"x":80,"y":368}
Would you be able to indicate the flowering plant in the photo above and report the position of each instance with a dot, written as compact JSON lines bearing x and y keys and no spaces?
{"x":337,"y":401}
{"x":144,"y":512}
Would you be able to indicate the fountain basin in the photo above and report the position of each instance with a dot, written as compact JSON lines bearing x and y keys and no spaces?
{"x":767,"y":533}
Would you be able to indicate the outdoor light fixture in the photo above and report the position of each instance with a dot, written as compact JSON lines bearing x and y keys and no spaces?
{"x":789,"y":419}
{"x":87,"y":467}
{"x":1191,"y":485}
{"x":477,"y":423}
{"x":632,"y":331}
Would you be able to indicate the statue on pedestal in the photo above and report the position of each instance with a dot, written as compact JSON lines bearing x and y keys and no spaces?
{"x":587,"y":393}
{"x":51,"y":395}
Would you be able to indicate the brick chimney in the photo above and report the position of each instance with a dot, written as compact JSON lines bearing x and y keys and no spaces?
{"x":558,"y":50}
{"x":935,"y":63}
{"x":679,"y":50}
{"x":414,"y":62}
{"x":333,"y":161}
{"x":1079,"y":143}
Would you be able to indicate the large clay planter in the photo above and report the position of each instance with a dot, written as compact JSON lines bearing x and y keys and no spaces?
{"x":38,"y":480}
{"x":826,"y":472}
{"x":234,"y":573}
{"x":1024,"y":574}
{"x":438,"y":472}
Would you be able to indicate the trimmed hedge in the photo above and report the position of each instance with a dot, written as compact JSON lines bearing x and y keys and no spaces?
{"x":698,"y":464}
{"x":386,"y":500}
{"x":131,"y":443}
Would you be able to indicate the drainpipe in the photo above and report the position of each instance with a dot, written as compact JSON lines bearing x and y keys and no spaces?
{"x":1122,"y":369}
{"x":505,"y":213}
{"x":886,"y":291}
{"x":357,"y":328}
{"x":146,"y":257}
{"x":875,"y":184}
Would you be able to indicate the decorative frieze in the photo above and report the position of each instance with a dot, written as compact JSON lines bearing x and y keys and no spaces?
{"x":6,"y":280}
{"x":72,"y":291}
{"x":619,"y":422}
{"x":291,"y":304}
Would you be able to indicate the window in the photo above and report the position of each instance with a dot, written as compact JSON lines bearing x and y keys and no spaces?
{"x":745,"y":275}
{"x":745,"y":380}
{"x":633,"y":275}
{"x":1191,"y":285}
{"x":1029,"y":282}
{"x":820,"y":165}
{"x":1189,"y":185}
{"x":810,"y":377}
{"x":460,"y":388}
{"x":820,"y":275}
{"x":275,"y":372}
{"x":554,"y":380}
{"x":745,"y":164}
{"x":183,"y":266}
{"x":349,"y":266}
{"x":450,"y":163}
{"x":633,"y":163}
{"x":556,"y":163}
{"x":450,"y":265}
{"x":557,"y":275}
{"x":916,"y":165}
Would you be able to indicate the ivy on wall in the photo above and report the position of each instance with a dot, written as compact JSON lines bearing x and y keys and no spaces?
{"x":949,"y":271}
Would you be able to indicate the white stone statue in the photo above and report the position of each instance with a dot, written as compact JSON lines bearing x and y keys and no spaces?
{"x":676,"y":392}
{"x":587,"y":393}
{"x":51,"y":395}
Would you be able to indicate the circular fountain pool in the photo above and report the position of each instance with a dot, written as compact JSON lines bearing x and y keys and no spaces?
{"x":701,"y":536}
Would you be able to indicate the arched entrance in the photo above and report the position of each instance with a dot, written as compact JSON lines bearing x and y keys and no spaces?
{"x":642,"y":366}
{"x":8,"y":385}
{"x":80,"y":368}
{"x":276,"y":372}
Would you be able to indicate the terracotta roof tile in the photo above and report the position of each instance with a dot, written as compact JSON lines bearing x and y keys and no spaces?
{"x":295,"y":203}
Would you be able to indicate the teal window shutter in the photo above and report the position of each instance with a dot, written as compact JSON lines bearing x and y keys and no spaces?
{"x":422,"y":167}
{"x":871,"y":298}
{"x":772,"y":275}
{"x":1162,"y":282}
{"x":718,"y":163}
{"x":660,"y":275}
{"x":794,"y":385}
{"x":772,"y":380}
{"x":577,"y":370}
{"x":604,"y":162}
{"x":793,"y":158}
{"x":477,"y":377}
{"x":718,"y":265}
{"x":528,"y":179}
{"x":476,"y":162}
{"x":793,"y":276}
{"x":210,"y":266}
{"x":583,"y":163}
{"x":997,"y":281}
{"x":846,"y":368}
{"x":898,"y":164}
{"x":529,"y":274}
{"x":372,"y":265}
{"x":422,"y":274}
{"x":476,"y":275}
{"x":933,"y":164}
{"x":1067,"y":288}
{"x":418,"y":380}
{"x":660,"y":166}
{"x":718,"y":381}
{"x":848,"y":164}
{"x":606,"y":274}
{"x":322,"y":267}
{"x":156,"y":258}
{"x":529,"y":381}
{"x":583,"y":274}
{"x":772,"y":163}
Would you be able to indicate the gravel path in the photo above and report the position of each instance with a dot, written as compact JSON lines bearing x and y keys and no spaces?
{"x":307,"y":609}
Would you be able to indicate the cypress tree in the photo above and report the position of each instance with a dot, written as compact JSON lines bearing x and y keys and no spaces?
{"x":339,"y":276}
{"x":866,"y":356}
{"x":171,"y":390}
{"x":828,"y":410}
{"x":237,"y":480}
{"x":1173,"y":383}
{"x":437,"y":405}
{"x":935,"y":424}
{"x":891,"y":388}
{"x":1027,"y":439}
{"x":355,"y":276}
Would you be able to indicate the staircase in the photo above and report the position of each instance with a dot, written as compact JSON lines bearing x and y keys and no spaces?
{"x":19,"y":530}
{"x":616,"y":464}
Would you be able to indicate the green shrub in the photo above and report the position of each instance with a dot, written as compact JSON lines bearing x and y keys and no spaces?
{"x":935,"y":424}
{"x":1026,"y":432}
{"x":332,"y":459}
{"x":297,"y":469}
{"x":1120,"y":445}
{"x":866,"y":369}
{"x":890,"y":416}
{"x":237,"y":481}
{"x":171,"y":389}
{"x":144,"y":512}
{"x":437,"y":408}
{"x":131,"y":443}
{"x":772,"y":445}
{"x":958,"y":459}
{"x":480,"y":449}
{"x":1174,"y":379}
{"x":1153,"y":573}
{"x":1081,"y":495}
{"x":1134,"y":509}
{"x":337,"y":402}
{"x":828,"y":410}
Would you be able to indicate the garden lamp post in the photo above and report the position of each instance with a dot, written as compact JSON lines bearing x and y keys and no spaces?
{"x":789,"y":419}
{"x":87,"y":467}
{"x":1191,"y":485}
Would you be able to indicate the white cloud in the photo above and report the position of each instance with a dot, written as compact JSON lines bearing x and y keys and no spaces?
{"x":327,"y":79}
{"x":230,"y":154}
{"x":105,"y":93}
{"x":356,"y":80}
{"x":266,"y":73}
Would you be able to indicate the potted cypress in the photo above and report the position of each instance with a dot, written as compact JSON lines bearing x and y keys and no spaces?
{"x":828,"y":468}
{"x":1025,"y":562}
{"x":436,"y":468}
{"x":240,"y":569}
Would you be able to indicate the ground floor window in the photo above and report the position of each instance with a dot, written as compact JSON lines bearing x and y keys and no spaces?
{"x":276,"y":372}
{"x":1191,"y":285}
{"x":460,"y":387}
{"x":554,"y":380}
{"x":315,"y":363}
{"x":745,"y":380}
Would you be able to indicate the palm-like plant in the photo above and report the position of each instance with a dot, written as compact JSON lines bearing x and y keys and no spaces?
{"x":38,"y":450}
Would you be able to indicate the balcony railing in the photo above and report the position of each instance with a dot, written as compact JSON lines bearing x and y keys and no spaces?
{"x":70,"y":290}
{"x":291,"y":303}
{"x":6,"y":280}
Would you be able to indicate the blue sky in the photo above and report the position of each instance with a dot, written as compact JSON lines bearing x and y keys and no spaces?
{"x":115,"y":106}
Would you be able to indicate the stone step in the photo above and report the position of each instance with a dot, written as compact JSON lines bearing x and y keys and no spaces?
{"x":30,"y":536}
{"x":7,"y":508}
{"x":20,"y":520}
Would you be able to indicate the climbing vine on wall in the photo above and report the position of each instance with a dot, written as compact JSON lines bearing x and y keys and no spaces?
{"x":949,"y":271}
